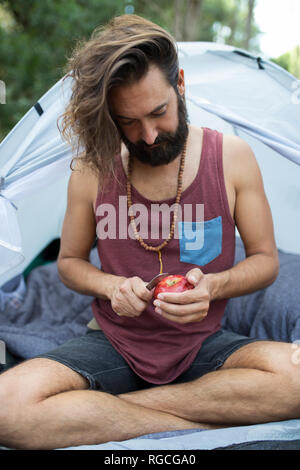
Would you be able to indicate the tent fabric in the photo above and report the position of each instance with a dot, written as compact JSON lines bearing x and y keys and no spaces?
{"x":265,"y":112}
{"x":288,"y":431}
{"x":34,"y":170}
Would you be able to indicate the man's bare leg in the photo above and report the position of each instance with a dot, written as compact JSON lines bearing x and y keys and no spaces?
{"x":258,"y":383}
{"x":46,"y":405}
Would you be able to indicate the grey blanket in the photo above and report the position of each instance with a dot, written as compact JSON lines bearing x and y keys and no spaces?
{"x":270,"y":313}
{"x":44,"y":313}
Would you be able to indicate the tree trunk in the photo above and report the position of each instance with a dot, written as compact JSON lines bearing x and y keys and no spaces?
{"x":186,"y":19}
{"x":251,"y":6}
{"x":192,"y":19}
{"x":178,"y":19}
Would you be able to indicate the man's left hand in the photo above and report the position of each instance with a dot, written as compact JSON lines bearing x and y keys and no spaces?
{"x":189,"y":306}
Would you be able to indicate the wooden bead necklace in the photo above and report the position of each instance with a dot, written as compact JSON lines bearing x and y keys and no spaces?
{"x":175,"y":213}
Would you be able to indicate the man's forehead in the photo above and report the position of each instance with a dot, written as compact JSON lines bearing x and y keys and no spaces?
{"x":129,"y":101}
{"x":151,"y":79}
{"x":147,"y":112}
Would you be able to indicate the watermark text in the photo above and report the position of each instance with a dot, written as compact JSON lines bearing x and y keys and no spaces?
{"x":152,"y":222}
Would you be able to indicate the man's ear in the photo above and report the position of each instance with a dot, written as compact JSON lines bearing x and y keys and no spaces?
{"x":181,"y":83}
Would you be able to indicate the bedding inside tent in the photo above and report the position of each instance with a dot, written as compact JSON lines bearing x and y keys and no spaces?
{"x":228,"y":90}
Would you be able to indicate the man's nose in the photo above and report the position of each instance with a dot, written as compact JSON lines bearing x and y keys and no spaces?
{"x":149,"y":134}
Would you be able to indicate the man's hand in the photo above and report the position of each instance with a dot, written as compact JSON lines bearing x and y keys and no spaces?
{"x":130,"y":296}
{"x":189,"y":306}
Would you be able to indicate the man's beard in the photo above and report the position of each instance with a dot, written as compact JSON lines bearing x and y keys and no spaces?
{"x":170,"y":144}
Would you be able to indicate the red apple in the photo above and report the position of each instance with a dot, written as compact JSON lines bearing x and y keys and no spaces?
{"x":172,"y":283}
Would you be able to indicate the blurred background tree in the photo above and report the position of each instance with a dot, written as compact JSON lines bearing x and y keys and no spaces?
{"x":290,"y":61}
{"x":36,"y":37}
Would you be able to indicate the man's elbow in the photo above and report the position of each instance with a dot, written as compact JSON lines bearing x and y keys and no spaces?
{"x":63,"y":269}
{"x":274,"y":268}
{"x":60,"y":263}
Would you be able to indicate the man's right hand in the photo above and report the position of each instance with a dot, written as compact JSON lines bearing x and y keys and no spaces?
{"x":129,"y":296}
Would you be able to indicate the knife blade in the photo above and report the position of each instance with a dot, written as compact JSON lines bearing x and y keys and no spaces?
{"x":156,"y":280}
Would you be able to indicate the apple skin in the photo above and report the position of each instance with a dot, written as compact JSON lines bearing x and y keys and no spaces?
{"x":172,"y":283}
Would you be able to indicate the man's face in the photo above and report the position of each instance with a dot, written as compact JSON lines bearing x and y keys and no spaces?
{"x":152,"y":118}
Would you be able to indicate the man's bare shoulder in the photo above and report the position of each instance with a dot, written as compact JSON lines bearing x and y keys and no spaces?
{"x":84,"y":182}
{"x":240,"y":165}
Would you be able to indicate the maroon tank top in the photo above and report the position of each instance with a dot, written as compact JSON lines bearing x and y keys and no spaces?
{"x":157,"y":349}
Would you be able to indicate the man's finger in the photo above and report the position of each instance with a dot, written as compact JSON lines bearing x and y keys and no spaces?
{"x":194,"y":276}
{"x":187,"y":297}
{"x":139,"y":288}
{"x":182,"y":310}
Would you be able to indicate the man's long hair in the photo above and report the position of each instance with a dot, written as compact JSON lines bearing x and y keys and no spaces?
{"x":117,"y":54}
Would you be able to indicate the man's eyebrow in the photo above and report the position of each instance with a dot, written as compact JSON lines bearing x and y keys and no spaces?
{"x":158,"y":108}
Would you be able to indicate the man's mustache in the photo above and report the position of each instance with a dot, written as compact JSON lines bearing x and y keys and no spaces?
{"x":159,"y":140}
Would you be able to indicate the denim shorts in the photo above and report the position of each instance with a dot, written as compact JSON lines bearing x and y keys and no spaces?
{"x":93,"y":357}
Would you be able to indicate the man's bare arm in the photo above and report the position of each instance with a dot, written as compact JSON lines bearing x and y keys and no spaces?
{"x":78,"y":237}
{"x":128,"y":296}
{"x":254,"y":222}
{"x":250,"y":275}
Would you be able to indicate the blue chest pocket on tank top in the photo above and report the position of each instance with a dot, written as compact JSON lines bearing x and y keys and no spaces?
{"x":200,"y":242}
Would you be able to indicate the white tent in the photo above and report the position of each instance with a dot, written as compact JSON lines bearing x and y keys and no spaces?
{"x":227,"y":89}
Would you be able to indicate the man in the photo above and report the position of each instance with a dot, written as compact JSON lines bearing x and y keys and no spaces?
{"x":163,"y":365}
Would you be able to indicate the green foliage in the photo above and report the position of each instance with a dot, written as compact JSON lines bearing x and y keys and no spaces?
{"x":290,"y":61}
{"x":35,"y":43}
{"x":37,"y":37}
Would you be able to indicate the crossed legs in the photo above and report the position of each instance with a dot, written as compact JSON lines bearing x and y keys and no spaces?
{"x":46,"y":405}
{"x":258,"y":383}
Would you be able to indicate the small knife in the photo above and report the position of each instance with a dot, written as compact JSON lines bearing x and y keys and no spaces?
{"x":156,"y":280}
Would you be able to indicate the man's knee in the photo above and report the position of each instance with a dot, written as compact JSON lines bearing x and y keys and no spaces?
{"x":27,"y":384}
{"x":37,"y":379}
{"x":290,"y":373}
{"x":280,"y":359}
{"x":268,"y":356}
{"x":33,"y":381}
